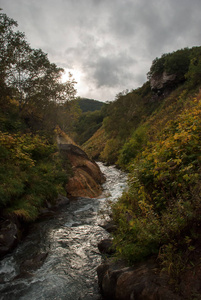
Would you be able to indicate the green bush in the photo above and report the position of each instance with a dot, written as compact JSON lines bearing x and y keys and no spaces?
{"x":132,"y":147}
{"x":111,"y":151}
{"x":30,"y":174}
{"x":164,"y":199}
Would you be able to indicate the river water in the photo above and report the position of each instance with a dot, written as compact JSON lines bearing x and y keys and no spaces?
{"x":68,"y":242}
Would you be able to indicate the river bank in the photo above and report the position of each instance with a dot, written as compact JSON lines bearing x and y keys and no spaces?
{"x":65,"y":248}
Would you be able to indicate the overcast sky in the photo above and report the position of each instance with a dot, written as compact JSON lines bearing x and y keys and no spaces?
{"x":108,"y":45}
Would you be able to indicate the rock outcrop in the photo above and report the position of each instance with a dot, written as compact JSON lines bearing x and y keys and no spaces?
{"x":106,"y":247}
{"x":9,"y":235}
{"x":162,"y":81}
{"x":142,"y":282}
{"x":87,"y":177}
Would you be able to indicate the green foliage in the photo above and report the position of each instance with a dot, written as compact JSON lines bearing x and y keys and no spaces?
{"x":158,"y":140}
{"x":30,"y":174}
{"x":132,"y":147}
{"x":173,"y":160}
{"x":136,"y":237}
{"x":111,"y":151}
{"x":87,"y":125}
{"x":87,"y":105}
{"x":28,"y":77}
{"x":68,"y":116}
{"x":163,"y":200}
{"x":130,"y":110}
{"x":124,"y":116}
{"x":178,"y":62}
{"x":96,"y":144}
{"x":157,"y":66}
{"x":33,"y":101}
{"x":194,"y":73}
{"x":9,"y":116}
{"x":172,"y":63}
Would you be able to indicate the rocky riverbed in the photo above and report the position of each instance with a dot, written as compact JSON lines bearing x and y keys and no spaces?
{"x":59,"y":257}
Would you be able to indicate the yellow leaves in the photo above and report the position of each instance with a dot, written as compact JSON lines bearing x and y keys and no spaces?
{"x":194,"y":127}
{"x":18,"y":150}
{"x":176,"y":136}
{"x":146,"y":208}
{"x":132,"y":223}
{"x":178,"y":161}
{"x":155,"y":172}
{"x":168,"y":165}
{"x":186,"y":177}
{"x":22,"y":213}
{"x":156,"y":160}
{"x":14,"y":102}
{"x":7,"y":140}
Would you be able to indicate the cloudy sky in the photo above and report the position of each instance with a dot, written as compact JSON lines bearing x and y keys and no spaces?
{"x":108,"y":45}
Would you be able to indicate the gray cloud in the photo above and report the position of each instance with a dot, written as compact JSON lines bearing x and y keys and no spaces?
{"x":111,"y":43}
{"x":111,"y":70}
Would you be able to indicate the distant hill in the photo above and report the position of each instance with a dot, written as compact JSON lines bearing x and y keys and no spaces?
{"x":89,"y":104}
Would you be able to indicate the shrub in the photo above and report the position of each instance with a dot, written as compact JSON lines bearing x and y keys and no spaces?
{"x":111,"y":151}
{"x":164,"y":199}
{"x":132,"y":147}
{"x":30,"y":174}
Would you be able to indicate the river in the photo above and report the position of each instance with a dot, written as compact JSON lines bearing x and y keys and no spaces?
{"x":68,"y":241}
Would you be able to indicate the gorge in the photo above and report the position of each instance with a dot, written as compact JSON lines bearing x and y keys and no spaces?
{"x":59,"y":257}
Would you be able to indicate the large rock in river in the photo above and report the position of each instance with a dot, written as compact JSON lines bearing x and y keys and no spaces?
{"x":87,"y":177}
{"x":9,"y":235}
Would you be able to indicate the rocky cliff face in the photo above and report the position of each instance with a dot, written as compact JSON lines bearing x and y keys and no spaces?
{"x":161,"y":81}
{"x":87,"y":177}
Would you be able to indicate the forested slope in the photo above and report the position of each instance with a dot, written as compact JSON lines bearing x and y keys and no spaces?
{"x":155,"y":133}
{"x":86,"y":104}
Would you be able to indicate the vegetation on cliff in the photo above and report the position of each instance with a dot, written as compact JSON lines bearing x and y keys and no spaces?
{"x":161,"y":209}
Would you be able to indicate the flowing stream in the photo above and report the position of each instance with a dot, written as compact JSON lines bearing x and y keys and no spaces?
{"x":68,"y":244}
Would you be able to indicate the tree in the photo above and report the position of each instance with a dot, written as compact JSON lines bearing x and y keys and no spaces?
{"x":7,"y":41}
{"x":27,"y":76}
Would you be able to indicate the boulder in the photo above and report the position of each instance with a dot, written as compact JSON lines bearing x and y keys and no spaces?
{"x":9,"y":235}
{"x":109,"y":226}
{"x":87,"y":177}
{"x":143,"y":282}
{"x":61,"y":201}
{"x":106,"y":246}
{"x":34,"y":262}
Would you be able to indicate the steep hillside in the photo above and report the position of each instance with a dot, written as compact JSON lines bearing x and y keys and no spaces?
{"x":155,"y":133}
{"x":88,"y":123}
{"x":173,"y":76}
{"x":95,"y":145}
